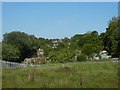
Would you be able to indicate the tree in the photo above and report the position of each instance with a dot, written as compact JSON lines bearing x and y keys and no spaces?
{"x":88,"y":38}
{"x":27,"y":44}
{"x":89,"y":50}
{"x":10,"y":53}
{"x":0,"y":50}
{"x":111,"y":37}
{"x":94,"y":33}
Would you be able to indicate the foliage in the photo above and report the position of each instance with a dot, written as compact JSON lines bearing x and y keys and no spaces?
{"x":111,"y":38}
{"x":27,"y":44}
{"x":63,"y":55}
{"x":65,"y":49}
{"x":88,"y":38}
{"x":0,"y":50}
{"x":10,"y":53}
{"x":81,"y":58}
{"x":89,"y":50}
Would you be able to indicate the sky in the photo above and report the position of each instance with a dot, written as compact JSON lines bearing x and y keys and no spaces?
{"x":0,"y":21}
{"x":57,"y":19}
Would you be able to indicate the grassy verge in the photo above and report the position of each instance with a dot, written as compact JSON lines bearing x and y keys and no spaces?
{"x":69,"y":75}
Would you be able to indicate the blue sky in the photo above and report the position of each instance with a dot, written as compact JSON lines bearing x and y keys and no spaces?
{"x":57,"y":20}
{"x":0,"y":21}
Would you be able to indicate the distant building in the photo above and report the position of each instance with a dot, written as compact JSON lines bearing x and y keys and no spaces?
{"x":55,"y":43}
{"x":40,"y":52}
{"x":104,"y":54}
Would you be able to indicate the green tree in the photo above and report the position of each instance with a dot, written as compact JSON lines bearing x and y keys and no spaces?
{"x":94,"y":33}
{"x":10,"y":53}
{"x":111,"y":37}
{"x":27,"y":44}
{"x":0,"y":50}
{"x":89,"y":50}
{"x":79,"y":40}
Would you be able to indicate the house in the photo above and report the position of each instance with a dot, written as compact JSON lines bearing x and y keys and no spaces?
{"x":104,"y":54}
{"x":40,"y":52}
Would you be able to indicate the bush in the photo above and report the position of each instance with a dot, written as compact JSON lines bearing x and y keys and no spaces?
{"x":81,"y":58}
{"x":10,"y":52}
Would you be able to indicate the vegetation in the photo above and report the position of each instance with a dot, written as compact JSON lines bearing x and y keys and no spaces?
{"x":18,"y":45}
{"x":59,"y":53}
{"x":10,"y":52}
{"x":0,"y":50}
{"x":111,"y":38}
{"x":69,"y":75}
{"x":26,"y":44}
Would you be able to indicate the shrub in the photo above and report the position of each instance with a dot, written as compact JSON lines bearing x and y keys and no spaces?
{"x":81,"y":58}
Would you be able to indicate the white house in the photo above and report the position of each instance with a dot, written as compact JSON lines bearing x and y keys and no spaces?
{"x":104,"y":54}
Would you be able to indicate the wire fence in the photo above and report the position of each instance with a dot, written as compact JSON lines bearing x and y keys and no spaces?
{"x":12,"y":64}
{"x":15,"y":64}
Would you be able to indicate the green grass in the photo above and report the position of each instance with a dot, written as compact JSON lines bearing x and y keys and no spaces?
{"x":69,"y":75}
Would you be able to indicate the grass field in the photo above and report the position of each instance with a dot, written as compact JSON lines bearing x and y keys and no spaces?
{"x":69,"y":75}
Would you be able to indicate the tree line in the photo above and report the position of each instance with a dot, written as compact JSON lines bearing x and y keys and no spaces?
{"x":16,"y":46}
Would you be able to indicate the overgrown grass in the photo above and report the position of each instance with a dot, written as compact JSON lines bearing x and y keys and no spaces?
{"x":69,"y":75}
